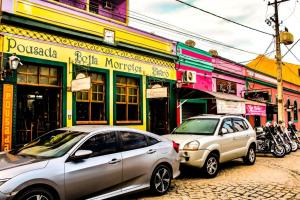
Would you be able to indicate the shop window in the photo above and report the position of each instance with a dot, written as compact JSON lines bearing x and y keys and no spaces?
{"x":295,"y":111}
{"x":127,"y":100}
{"x":90,"y":105}
{"x":37,"y":75}
{"x":81,"y":4}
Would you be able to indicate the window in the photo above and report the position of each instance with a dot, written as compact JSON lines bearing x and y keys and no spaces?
{"x":200,"y":126}
{"x":101,"y":144}
{"x":81,"y":4}
{"x":90,"y":105}
{"x":289,"y":115}
{"x":37,"y":75}
{"x":152,"y":141}
{"x":227,"y":124}
{"x":295,"y":111}
{"x":132,"y":141}
{"x":127,"y":100}
{"x":239,"y":125}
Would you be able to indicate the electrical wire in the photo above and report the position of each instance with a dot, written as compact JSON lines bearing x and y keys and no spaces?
{"x":289,"y":49}
{"x":218,"y":16}
{"x":292,"y":53}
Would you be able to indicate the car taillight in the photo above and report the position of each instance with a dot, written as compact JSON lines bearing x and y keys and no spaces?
{"x":176,"y":146}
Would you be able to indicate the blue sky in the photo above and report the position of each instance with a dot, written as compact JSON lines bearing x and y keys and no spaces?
{"x":252,"y":13}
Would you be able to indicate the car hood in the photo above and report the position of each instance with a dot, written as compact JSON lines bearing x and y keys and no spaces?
{"x":183,"y":139}
{"x":13,"y":165}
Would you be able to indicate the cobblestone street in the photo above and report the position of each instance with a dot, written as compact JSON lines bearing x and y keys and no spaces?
{"x":269,"y":178}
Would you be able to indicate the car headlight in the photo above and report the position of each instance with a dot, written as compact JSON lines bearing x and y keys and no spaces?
{"x":192,"y":146}
{"x":2,"y":181}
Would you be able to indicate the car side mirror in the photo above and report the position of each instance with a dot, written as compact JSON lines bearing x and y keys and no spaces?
{"x":223,"y":131}
{"x":81,"y":154}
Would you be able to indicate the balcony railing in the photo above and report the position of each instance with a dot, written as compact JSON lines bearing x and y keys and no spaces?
{"x":114,"y":9}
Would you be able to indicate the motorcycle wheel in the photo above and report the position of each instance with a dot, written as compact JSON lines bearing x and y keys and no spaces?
{"x":288,"y":148}
{"x":278,"y":151}
{"x":294,"y":146}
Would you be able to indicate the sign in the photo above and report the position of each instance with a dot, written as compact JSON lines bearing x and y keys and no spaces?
{"x":123,"y":61}
{"x":157,"y":92}
{"x":7,"y":104}
{"x":261,"y":96}
{"x":225,"y":86}
{"x":81,"y":84}
{"x":230,"y":107}
{"x":256,"y":110}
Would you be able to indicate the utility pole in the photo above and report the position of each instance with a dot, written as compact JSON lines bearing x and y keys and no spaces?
{"x":278,"y":61}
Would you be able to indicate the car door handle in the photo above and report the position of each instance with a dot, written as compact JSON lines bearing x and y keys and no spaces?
{"x":114,"y":161}
{"x":151,"y":151}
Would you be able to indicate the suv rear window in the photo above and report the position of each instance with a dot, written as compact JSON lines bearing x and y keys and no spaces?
{"x":200,"y":126}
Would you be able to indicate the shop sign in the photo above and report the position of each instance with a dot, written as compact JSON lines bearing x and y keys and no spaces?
{"x":230,"y":107}
{"x":255,"y":110}
{"x":157,"y":92}
{"x":7,"y":104}
{"x":81,"y":84}
{"x":258,"y":96}
{"x":225,"y":86}
{"x":87,"y":58}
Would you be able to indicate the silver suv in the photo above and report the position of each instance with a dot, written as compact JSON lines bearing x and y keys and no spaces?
{"x":208,"y":140}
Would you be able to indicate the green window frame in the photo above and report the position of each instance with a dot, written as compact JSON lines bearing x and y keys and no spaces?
{"x":127,"y":98}
{"x":91,"y":105}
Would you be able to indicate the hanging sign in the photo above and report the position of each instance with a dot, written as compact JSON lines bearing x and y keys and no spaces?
{"x":7,"y":104}
{"x":230,"y":107}
{"x":157,"y":92}
{"x":81,"y":84}
{"x":225,"y":86}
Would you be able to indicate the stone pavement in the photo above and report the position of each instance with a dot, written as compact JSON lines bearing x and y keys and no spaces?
{"x":269,"y":178}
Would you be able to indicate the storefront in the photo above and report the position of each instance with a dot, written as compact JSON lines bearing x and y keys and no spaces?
{"x":42,"y":94}
{"x":194,"y":75}
{"x":262,"y":88}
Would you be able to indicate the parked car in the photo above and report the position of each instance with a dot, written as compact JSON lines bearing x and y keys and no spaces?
{"x":88,"y":162}
{"x":208,"y":140}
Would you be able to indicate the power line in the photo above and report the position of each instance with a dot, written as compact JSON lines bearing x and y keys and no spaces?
{"x":292,"y":53}
{"x":229,"y":20}
{"x":289,"y":49}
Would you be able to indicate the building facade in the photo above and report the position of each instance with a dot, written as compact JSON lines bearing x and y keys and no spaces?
{"x":194,"y":75}
{"x":262,"y":86}
{"x":59,"y":42}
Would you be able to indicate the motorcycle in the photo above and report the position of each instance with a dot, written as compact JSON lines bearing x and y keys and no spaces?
{"x":279,"y":131}
{"x":293,"y":133}
{"x":268,"y":143}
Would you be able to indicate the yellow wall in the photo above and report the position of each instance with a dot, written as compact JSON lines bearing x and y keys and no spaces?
{"x":80,"y":56}
{"x":39,"y":12}
{"x":269,"y":67}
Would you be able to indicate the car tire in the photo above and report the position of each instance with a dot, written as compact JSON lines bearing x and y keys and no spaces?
{"x":211,"y":166}
{"x":36,"y":193}
{"x":161,"y":180}
{"x":250,"y":158}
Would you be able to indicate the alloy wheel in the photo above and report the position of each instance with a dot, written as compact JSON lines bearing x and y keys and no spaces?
{"x":162,"y":180}
{"x":251,"y":155}
{"x":212,"y":165}
{"x":37,"y":197}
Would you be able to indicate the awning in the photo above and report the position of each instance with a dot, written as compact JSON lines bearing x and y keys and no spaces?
{"x":190,"y":93}
{"x":226,"y":103}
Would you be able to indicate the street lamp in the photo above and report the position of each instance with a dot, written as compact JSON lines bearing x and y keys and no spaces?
{"x":13,"y":62}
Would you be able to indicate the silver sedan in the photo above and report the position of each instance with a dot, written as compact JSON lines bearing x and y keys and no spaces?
{"x":83,"y":162}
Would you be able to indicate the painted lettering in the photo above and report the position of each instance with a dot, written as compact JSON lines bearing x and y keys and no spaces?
{"x":160,"y":73}
{"x":85,"y":60}
{"x":21,"y":48}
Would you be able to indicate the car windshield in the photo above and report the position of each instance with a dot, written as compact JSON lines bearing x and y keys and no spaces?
{"x":198,"y":126}
{"x":51,"y":145}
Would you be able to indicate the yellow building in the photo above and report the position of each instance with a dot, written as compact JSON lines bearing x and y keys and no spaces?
{"x":132,"y":73}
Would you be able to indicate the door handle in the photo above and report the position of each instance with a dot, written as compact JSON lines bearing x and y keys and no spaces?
{"x":151,"y":151}
{"x":114,"y":161}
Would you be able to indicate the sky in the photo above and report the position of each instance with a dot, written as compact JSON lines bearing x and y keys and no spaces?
{"x":252,"y":13}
